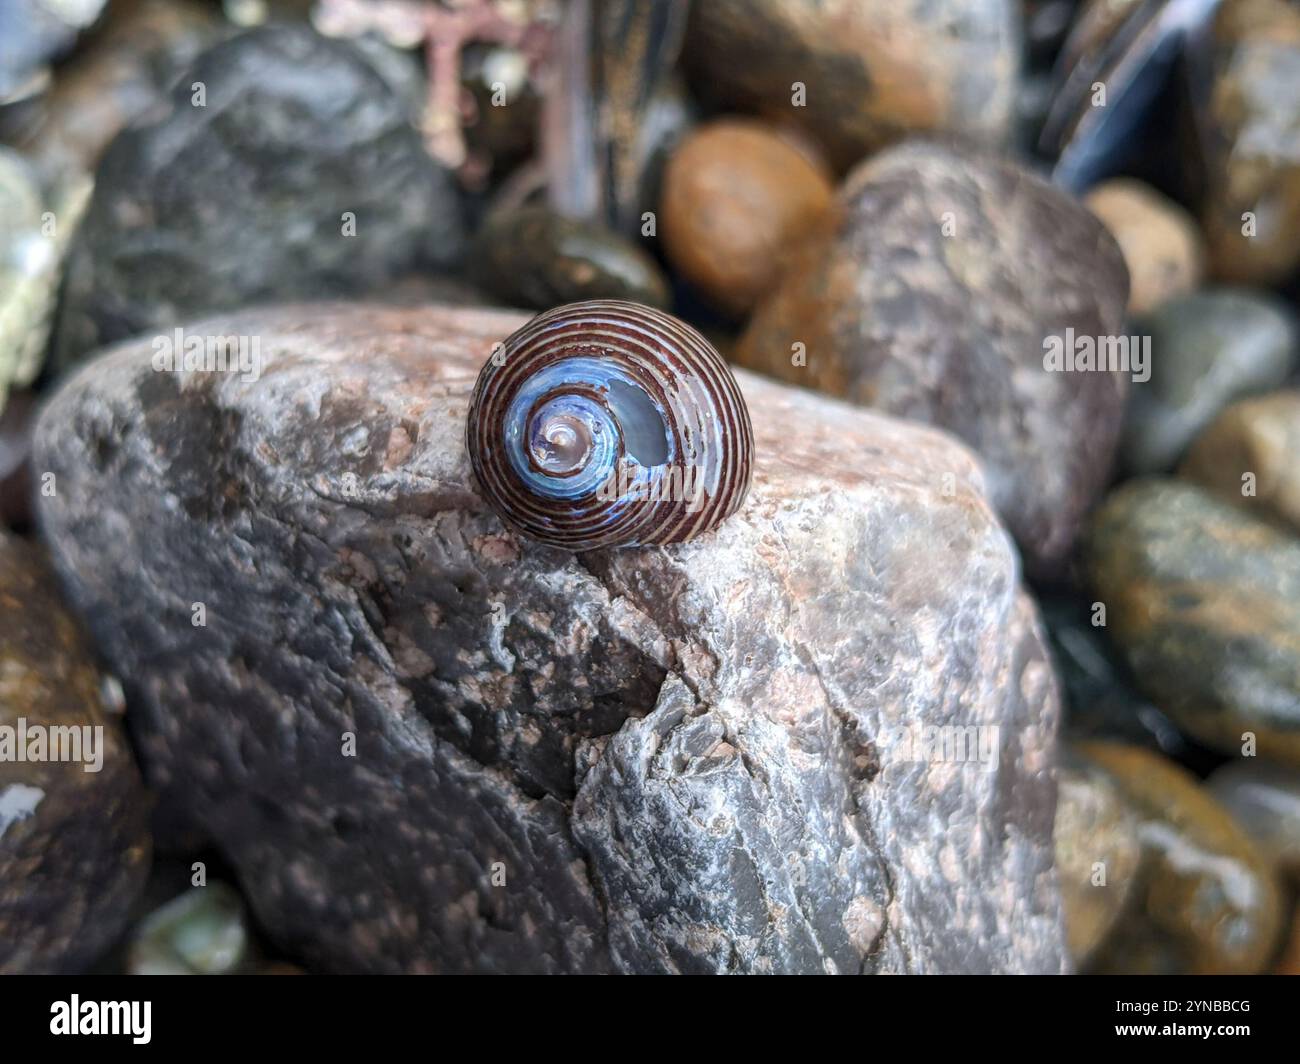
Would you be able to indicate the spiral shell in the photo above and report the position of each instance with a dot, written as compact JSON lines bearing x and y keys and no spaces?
{"x":609,"y":424}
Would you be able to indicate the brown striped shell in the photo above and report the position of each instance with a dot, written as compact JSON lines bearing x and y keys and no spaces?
{"x":609,"y":424}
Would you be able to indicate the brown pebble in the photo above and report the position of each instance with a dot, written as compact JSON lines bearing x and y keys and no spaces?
{"x":1160,"y":241}
{"x":1247,"y":456}
{"x":1207,"y":901}
{"x":1251,"y":151}
{"x":736,"y":195}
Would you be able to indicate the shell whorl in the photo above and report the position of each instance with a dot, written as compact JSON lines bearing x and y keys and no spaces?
{"x":609,"y":424}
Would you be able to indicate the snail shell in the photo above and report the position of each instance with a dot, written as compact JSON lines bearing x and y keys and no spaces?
{"x":609,"y":424}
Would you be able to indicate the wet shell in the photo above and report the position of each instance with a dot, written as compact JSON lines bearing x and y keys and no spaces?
{"x":609,"y":424}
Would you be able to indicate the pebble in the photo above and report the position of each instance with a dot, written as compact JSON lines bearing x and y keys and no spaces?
{"x":1206,"y":901}
{"x":313,"y":182}
{"x":1160,"y":240}
{"x":121,"y":75}
{"x":202,"y":932}
{"x":1203,"y":600}
{"x":1097,"y":854}
{"x":533,"y":257}
{"x":74,"y":832}
{"x":1265,"y":799}
{"x":1251,"y":151}
{"x":31,"y":263}
{"x":1248,"y":456}
{"x":736,"y":195}
{"x":933,"y":298}
{"x":1207,"y":349}
{"x":859,"y":77}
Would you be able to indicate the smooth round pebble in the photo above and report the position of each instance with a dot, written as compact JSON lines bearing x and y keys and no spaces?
{"x":533,"y":257}
{"x":1248,"y":456}
{"x":1206,"y":901}
{"x":1203,"y":601}
{"x":736,"y":195}
{"x":202,"y":932}
{"x":1207,"y":349}
{"x":1160,"y":241}
{"x":1251,"y":153}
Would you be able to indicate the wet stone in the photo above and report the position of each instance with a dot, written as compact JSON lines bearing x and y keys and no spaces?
{"x":1203,"y":600}
{"x":1251,"y":213}
{"x":532,"y":257}
{"x":1265,"y":799}
{"x":1162,"y":246}
{"x":682,"y":759}
{"x":1097,"y":854}
{"x":122,"y":74}
{"x":34,"y":237}
{"x":736,"y":196}
{"x":936,"y":295}
{"x":313,"y":180}
{"x":871,"y":73}
{"x":1207,"y":349}
{"x":202,"y":932}
{"x":1248,"y":456}
{"x":1206,"y":900}
{"x":1100,"y":698}
{"x":74,"y":839}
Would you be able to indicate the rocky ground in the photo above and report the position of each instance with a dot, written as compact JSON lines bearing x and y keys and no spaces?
{"x":997,"y":667}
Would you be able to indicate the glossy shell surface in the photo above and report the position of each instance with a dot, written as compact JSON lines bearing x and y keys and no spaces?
{"x":609,"y":424}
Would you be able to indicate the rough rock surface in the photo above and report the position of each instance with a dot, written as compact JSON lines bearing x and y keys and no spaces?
{"x":74,"y":844}
{"x":935,"y":296}
{"x":245,"y":198}
{"x":663,"y":759}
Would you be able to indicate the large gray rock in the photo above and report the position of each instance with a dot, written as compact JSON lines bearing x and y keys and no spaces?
{"x":664,"y":759}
